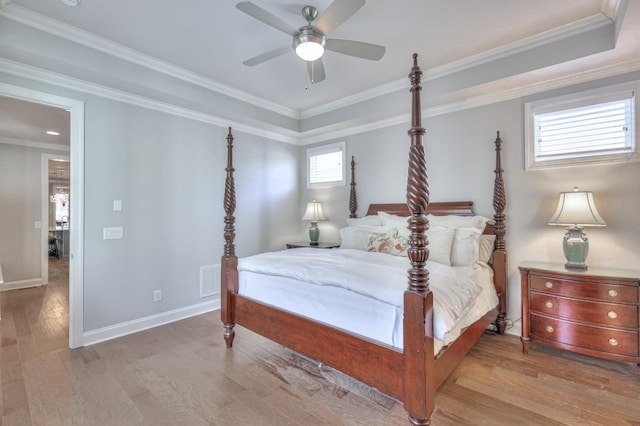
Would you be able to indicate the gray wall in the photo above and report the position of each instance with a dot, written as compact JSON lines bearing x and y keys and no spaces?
{"x":460,"y":163}
{"x":20,"y":208}
{"x":169,"y":173}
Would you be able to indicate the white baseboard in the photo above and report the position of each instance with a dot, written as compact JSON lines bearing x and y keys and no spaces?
{"x":15,"y":285}
{"x":145,"y":323}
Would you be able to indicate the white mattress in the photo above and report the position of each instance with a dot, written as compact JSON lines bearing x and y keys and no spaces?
{"x":354,"y":311}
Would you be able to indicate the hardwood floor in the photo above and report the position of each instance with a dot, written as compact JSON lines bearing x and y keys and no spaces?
{"x":182,"y":374}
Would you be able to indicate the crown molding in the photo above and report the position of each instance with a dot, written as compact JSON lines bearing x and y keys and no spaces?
{"x":339,"y":130}
{"x":52,"y":26}
{"x":610,"y":11}
{"x":49,"y":77}
{"x":334,"y":131}
{"x":35,"y":144}
{"x":581,"y":26}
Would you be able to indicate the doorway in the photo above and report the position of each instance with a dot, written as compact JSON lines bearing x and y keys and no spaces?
{"x":76,"y":213}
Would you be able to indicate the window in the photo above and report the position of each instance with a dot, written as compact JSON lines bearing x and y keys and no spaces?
{"x":588,"y":127}
{"x":325,"y":165}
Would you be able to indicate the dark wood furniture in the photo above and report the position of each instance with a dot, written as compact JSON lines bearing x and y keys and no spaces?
{"x":300,"y":244}
{"x":414,"y":374}
{"x":592,"y":312}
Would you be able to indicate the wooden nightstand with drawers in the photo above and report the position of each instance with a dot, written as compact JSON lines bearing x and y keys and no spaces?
{"x":593,"y":312}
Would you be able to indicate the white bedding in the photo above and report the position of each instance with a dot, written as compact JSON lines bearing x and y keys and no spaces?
{"x":362,"y":292}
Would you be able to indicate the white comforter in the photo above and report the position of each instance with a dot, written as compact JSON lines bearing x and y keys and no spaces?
{"x":375,"y":275}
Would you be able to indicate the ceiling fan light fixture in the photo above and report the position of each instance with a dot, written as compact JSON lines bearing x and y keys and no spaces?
{"x":309,"y":44}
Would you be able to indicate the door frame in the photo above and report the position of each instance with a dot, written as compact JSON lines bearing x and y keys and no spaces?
{"x":76,"y":241}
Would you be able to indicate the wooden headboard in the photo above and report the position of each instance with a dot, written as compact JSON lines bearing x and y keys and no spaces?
{"x":460,"y":208}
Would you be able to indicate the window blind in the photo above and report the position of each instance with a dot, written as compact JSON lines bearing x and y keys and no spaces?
{"x":601,"y":128}
{"x":326,"y":167}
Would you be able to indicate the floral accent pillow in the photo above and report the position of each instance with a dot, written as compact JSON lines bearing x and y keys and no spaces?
{"x":390,"y":242}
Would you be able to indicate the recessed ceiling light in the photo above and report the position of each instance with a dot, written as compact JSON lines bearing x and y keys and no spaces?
{"x":71,"y":2}
{"x":53,"y":133}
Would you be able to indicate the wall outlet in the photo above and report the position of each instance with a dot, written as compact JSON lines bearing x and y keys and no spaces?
{"x":157,"y":295}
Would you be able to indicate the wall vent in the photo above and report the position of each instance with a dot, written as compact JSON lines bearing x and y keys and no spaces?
{"x":209,"y":280}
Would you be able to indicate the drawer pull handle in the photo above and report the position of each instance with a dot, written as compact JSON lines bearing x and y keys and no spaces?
{"x":613,"y":342}
{"x":548,"y":284}
{"x":550,"y":330}
{"x":548,"y":305}
{"x":612,"y":315}
{"x":612,"y":293}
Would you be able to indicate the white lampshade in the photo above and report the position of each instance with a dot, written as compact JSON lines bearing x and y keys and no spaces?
{"x":314,"y":212}
{"x":576,"y":208}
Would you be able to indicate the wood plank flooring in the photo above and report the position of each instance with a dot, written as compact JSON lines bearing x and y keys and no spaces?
{"x":182,"y":374}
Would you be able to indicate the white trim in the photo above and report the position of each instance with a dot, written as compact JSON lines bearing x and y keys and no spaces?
{"x":581,"y":26}
{"x":52,"y":26}
{"x":321,"y":134}
{"x":587,"y":24}
{"x":571,"y":100}
{"x":376,"y":92}
{"x":34,"y":144}
{"x":38,"y":74}
{"x":76,"y":246}
{"x":339,"y":130}
{"x":145,"y":323}
{"x":44,"y":23}
{"x":16,"y":285}
{"x":327,"y":149}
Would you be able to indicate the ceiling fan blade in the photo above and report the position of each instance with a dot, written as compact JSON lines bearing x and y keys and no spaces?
{"x":266,"y":17}
{"x":266,"y":56}
{"x":337,"y":12}
{"x":315,"y":70}
{"x":358,"y":49}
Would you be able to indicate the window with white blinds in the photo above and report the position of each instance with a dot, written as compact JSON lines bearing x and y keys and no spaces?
{"x":596,"y":126}
{"x":325,"y":165}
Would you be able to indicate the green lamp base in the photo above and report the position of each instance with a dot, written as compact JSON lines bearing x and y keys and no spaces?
{"x":576,"y":248}
{"x":314,"y":234}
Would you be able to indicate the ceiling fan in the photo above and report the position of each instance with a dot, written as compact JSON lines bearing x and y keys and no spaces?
{"x":310,"y":41}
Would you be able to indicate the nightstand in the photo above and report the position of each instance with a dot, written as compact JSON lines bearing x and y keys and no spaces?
{"x":593,"y":312}
{"x":300,"y":244}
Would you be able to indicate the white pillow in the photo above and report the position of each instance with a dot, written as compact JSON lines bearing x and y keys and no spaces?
{"x":485,"y":245}
{"x":465,"y":248}
{"x":393,"y":221}
{"x":454,"y":221}
{"x":371,"y":220}
{"x":440,"y":242}
{"x":357,"y":237}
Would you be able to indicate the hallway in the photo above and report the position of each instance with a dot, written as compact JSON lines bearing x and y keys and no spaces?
{"x":34,"y":330}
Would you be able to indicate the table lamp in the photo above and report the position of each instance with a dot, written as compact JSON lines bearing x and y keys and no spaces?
{"x":575,"y":210}
{"x":314,"y":214}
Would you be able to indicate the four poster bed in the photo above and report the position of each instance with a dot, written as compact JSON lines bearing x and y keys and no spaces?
{"x":416,"y":357}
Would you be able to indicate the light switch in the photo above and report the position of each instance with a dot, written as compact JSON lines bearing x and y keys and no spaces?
{"x":112,"y":233}
{"x":117,"y":205}
{"x":37,"y":224}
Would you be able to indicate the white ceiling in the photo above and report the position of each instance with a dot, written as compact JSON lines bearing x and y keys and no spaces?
{"x":213,"y":38}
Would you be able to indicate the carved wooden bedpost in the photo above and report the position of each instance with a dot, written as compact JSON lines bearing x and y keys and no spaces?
{"x":419,"y":384}
{"x":500,"y":253}
{"x":353,"y":200}
{"x":229,"y":263}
